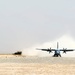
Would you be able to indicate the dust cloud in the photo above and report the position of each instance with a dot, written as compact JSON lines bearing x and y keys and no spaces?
{"x":65,"y":41}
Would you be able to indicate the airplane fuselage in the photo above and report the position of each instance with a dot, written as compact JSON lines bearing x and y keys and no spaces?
{"x":57,"y":53}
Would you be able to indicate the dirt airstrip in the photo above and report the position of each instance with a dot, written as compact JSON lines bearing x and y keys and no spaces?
{"x":20,"y":65}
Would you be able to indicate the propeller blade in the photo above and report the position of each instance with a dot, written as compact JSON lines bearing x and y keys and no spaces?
{"x":50,"y":47}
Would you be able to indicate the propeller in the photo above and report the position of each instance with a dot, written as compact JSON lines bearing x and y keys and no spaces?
{"x":50,"y":50}
{"x":64,"y":50}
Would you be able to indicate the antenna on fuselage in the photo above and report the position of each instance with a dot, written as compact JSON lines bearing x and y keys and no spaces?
{"x":57,"y":45}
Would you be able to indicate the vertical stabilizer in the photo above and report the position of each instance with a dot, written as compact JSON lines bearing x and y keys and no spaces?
{"x":57,"y":45}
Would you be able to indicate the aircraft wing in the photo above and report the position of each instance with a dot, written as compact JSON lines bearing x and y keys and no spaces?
{"x":66,"y":50}
{"x":48,"y":50}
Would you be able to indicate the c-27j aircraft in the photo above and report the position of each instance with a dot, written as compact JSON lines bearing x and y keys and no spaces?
{"x":57,"y":51}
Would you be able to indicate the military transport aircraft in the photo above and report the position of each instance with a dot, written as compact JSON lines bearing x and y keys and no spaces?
{"x":57,"y":51}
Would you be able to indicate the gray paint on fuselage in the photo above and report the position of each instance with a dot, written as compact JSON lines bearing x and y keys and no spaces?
{"x":57,"y":53}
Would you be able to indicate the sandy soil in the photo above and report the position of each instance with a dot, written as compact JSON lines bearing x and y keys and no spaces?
{"x":17,"y":65}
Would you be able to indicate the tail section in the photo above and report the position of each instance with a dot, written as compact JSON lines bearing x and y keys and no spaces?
{"x":57,"y":45}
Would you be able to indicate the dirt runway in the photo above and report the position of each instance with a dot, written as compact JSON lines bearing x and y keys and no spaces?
{"x":18,"y":65}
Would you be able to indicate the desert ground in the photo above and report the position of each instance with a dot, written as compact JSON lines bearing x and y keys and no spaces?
{"x":30,"y":65}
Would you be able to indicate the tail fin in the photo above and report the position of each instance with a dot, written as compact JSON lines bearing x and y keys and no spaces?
{"x":57,"y":45}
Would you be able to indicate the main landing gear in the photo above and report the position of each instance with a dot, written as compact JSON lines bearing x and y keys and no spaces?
{"x":56,"y":55}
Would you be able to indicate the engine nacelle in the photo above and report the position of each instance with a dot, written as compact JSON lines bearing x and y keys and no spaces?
{"x":64,"y":51}
{"x":50,"y":51}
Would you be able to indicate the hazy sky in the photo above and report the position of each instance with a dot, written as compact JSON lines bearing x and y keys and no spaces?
{"x":24,"y":23}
